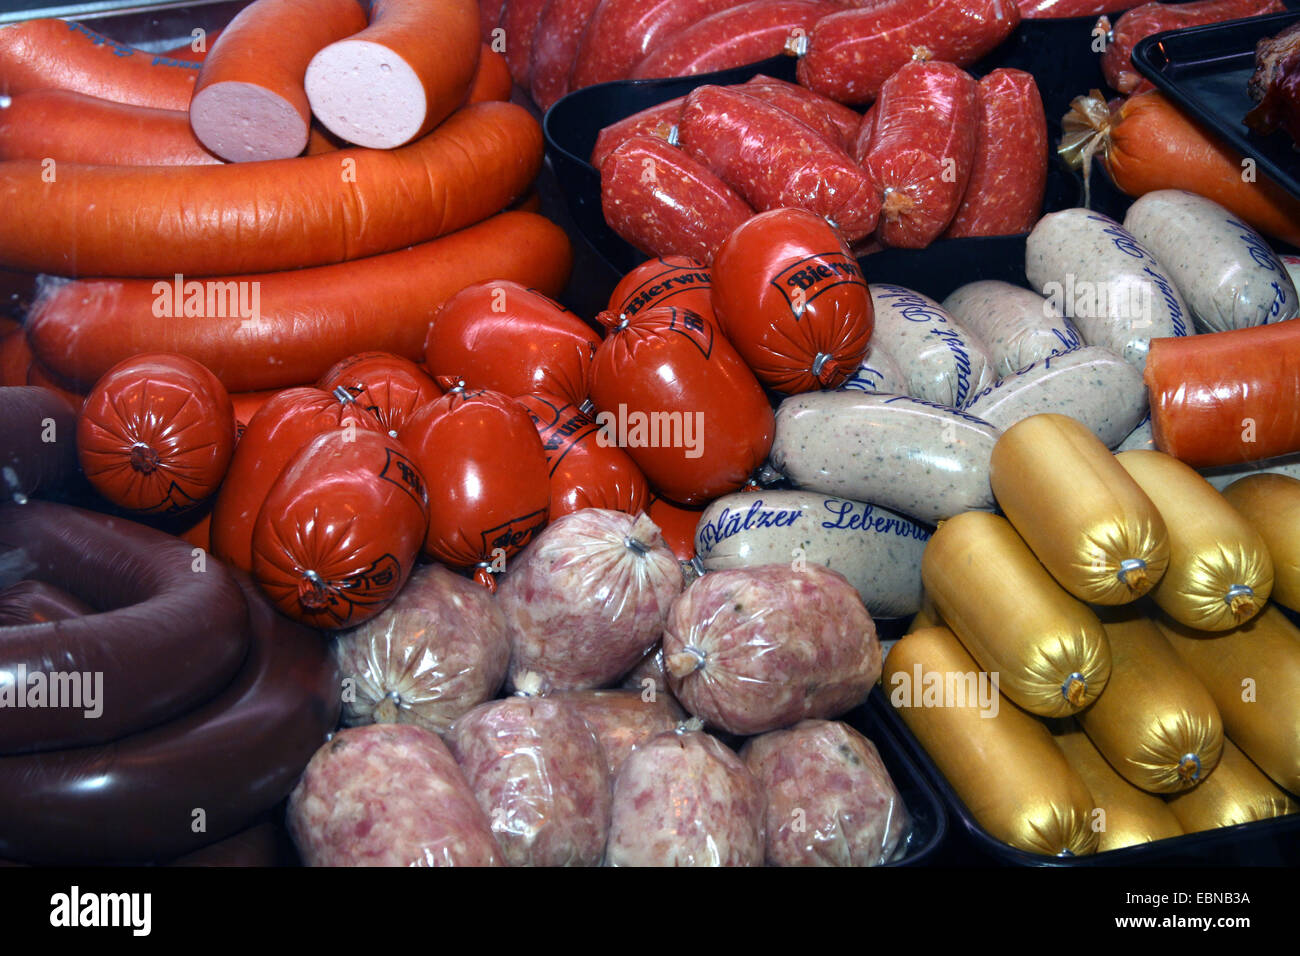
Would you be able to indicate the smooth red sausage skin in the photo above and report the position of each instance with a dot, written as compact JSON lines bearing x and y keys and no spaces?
{"x":624,"y":31}
{"x":284,"y":214}
{"x":45,"y":54}
{"x":309,"y":319}
{"x":249,"y":104}
{"x":492,"y":79}
{"x":679,"y":281}
{"x":1009,"y":175}
{"x":388,"y":386}
{"x":401,"y":76}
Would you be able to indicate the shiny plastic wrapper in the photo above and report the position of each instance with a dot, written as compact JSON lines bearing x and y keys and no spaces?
{"x":622,"y":720}
{"x":1271,"y":504}
{"x":438,"y":650}
{"x":755,"y":649}
{"x":1235,"y":793}
{"x":1017,"y":326}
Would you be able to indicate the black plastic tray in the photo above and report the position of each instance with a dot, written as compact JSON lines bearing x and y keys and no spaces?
{"x":1204,"y":70}
{"x":1265,"y":843}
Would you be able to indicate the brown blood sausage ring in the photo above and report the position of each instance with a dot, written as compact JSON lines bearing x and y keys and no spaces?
{"x":30,"y":462}
{"x":234,"y":758}
{"x":34,"y":602}
{"x":174,"y":637}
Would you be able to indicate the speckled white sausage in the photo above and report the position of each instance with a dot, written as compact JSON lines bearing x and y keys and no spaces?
{"x":1091,"y":385}
{"x":879,"y":552}
{"x":1225,"y":270}
{"x":942,"y":361}
{"x":1017,"y":326}
{"x":922,"y":460}
{"x":1116,"y":291}
{"x":877,"y":372}
{"x":1139,"y":438}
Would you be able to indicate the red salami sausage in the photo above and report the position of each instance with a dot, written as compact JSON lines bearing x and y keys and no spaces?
{"x":1009,"y":174}
{"x":922,"y":150}
{"x":851,"y":54}
{"x":622,"y":32}
{"x":388,"y":386}
{"x":1056,"y":9}
{"x":774,"y":160}
{"x":489,"y":17}
{"x":520,"y":20}
{"x":666,"y":203}
{"x":790,"y":297}
{"x":835,"y":121}
{"x":555,"y":47}
{"x":657,"y":120}
{"x":678,"y":281}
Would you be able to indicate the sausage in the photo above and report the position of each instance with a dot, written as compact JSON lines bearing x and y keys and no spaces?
{"x":340,"y":529}
{"x":772,"y":159}
{"x":922,"y":149}
{"x":298,"y":324}
{"x":732,"y":37}
{"x":492,"y":78}
{"x":70,"y":127}
{"x":1271,"y":504}
{"x":196,"y":50}
{"x":173,"y":639}
{"x":1139,"y":438}
{"x":235,"y":758}
{"x":1152,"y":18}
{"x":1237,"y":794}
{"x":388,"y":795}
{"x":622,"y":720}
{"x":1056,"y":9}
{"x":503,"y":336}
{"x":621,"y":32}
{"x":1221,"y":478}
{"x":488,"y":479}
{"x":674,"y":392}
{"x":46,"y":53}
{"x":665,"y":202}
{"x":1226,"y":398}
{"x":540,"y":775}
{"x":1225,"y":271}
{"x":1116,"y":292}
{"x":586,"y":470}
{"x":519,"y":21}
{"x":276,"y":215}
{"x":29,"y":464}
{"x":668,"y":280}
{"x":1000,"y":761}
{"x":877,"y":372}
{"x":836,"y":122}
{"x":1092,"y":385}
{"x":684,"y":799}
{"x":830,"y":800}
{"x":657,"y":120}
{"x":586,"y":599}
{"x":1047,"y":648}
{"x":926,"y":461}
{"x":1008,"y":178}
{"x":650,"y":678}
{"x":850,"y":54}
{"x":35,"y":602}
{"x":753,"y":649}
{"x":39,"y":375}
{"x":439,"y":650}
{"x":943,"y":361}
{"x":1016,"y":326}
{"x":790,"y":297}
{"x":878,"y":551}
{"x":156,"y":434}
{"x":388,"y":84}
{"x":677,"y":525}
{"x":1220,"y":573}
{"x":556,"y":43}
{"x":1110,"y":546}
{"x":389,"y":387}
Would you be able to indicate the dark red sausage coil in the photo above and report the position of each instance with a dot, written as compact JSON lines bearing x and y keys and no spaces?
{"x":35,"y":602}
{"x":29,"y":464}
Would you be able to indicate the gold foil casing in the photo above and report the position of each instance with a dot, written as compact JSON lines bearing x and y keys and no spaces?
{"x":1271,"y":503}
{"x":1235,"y":793}
{"x":1049,"y":650}
{"x":1220,"y":573}
{"x":1089,"y":523}
{"x":1000,"y":760}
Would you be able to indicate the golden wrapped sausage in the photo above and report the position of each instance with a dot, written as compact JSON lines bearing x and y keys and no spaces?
{"x":1271,"y":503}
{"x":1048,"y":649}
{"x":1156,"y":723}
{"x":1125,"y":815}
{"x":1089,"y":523}
{"x":1253,"y":674}
{"x":999,"y":760}
{"x":1220,"y":573}
{"x":928,"y":616}
{"x":1235,"y":793}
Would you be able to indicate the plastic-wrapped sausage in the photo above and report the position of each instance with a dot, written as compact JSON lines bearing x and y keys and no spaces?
{"x":621,"y":32}
{"x":754,"y":649}
{"x":1018,"y":327}
{"x":437,"y":651}
{"x":684,"y":799}
{"x":388,"y":795}
{"x":29,"y":464}
{"x":678,"y":281}
{"x":622,"y":720}
{"x":388,"y":386}
{"x":35,"y":602}
{"x":830,"y":800}
{"x":587,"y":598}
{"x":837,"y":122}
{"x":877,"y":372}
{"x":1236,"y":793}
{"x":1270,"y":503}
{"x":540,"y":775}
{"x":657,"y":120}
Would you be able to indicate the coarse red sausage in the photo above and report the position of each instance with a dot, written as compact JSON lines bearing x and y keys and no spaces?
{"x":45,"y":54}
{"x":774,"y":160}
{"x":671,"y":280}
{"x":1057,"y":9}
{"x":249,"y":104}
{"x":837,"y":122}
{"x":400,"y":77}
{"x":156,"y":434}
{"x":305,"y":320}
{"x":1009,"y":174}
{"x":657,"y":120}
{"x":862,"y":138}
{"x":922,"y":150}
{"x":555,"y":47}
{"x":282,"y":214}
{"x":388,"y":386}
{"x":489,"y":17}
{"x":520,"y":20}
{"x":623,"y":31}
{"x":733,"y":37}
{"x":850,"y":54}
{"x":665,"y":202}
